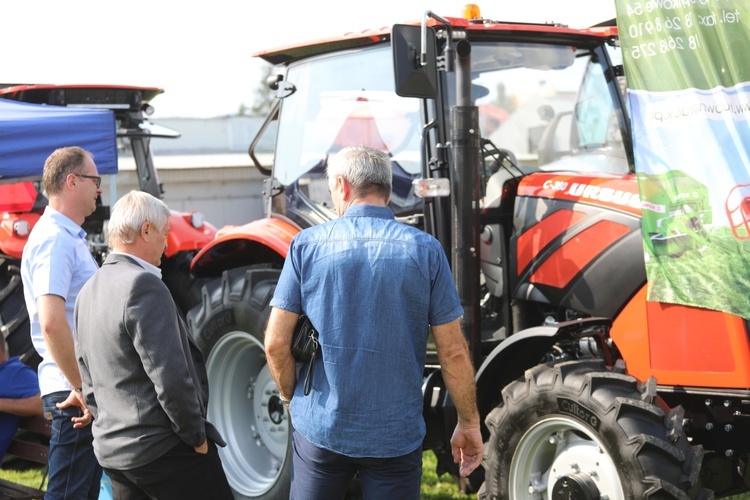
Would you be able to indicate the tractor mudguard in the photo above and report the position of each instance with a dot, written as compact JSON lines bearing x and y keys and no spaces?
{"x":184,"y":236}
{"x":14,"y":232}
{"x":261,"y":241}
{"x":506,"y":363}
{"x":17,"y":216}
{"x":524,"y":350}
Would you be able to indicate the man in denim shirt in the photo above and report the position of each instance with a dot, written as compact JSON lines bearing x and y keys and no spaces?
{"x":372,"y":287}
{"x":55,"y":265}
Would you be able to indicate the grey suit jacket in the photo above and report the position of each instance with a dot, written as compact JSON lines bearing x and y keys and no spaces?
{"x":144,"y":378}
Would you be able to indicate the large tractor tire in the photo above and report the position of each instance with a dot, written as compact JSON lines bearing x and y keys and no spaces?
{"x":14,"y":318}
{"x":244,"y":402}
{"x":184,"y":288}
{"x":577,"y":430}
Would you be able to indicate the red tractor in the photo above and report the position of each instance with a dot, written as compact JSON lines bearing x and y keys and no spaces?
{"x":22,"y":203}
{"x":512,"y":145}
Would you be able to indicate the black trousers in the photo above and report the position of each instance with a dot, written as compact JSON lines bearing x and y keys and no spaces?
{"x":180,"y":474}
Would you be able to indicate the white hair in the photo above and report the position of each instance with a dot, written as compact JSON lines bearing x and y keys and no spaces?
{"x":368,"y":170}
{"x":131,"y":212}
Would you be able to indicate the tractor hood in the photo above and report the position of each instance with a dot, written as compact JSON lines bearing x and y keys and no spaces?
{"x":30,"y":132}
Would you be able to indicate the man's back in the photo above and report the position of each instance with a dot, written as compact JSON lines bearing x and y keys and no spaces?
{"x":371,"y":286}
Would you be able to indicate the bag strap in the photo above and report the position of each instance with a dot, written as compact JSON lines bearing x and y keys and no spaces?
{"x":311,"y":367}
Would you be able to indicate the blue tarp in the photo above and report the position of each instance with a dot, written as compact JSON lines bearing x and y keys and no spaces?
{"x":30,"y":132}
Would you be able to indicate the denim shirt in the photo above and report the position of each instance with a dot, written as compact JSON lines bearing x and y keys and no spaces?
{"x":371,"y":286}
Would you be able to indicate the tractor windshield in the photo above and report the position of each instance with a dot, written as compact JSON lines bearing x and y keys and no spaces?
{"x":547,"y":104}
{"x":334,"y":107}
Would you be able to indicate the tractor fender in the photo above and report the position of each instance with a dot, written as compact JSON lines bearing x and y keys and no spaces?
{"x":17,"y":216}
{"x":11,"y":240}
{"x":524,"y":350}
{"x":506,"y":363}
{"x":184,"y":236}
{"x":261,"y":241}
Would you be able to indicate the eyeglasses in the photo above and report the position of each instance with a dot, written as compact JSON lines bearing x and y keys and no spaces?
{"x":97,"y":179}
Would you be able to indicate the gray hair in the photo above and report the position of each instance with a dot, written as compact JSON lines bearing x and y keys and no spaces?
{"x":368,"y":170}
{"x":131,"y":212}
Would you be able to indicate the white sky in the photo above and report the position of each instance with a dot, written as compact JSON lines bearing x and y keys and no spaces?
{"x":201,"y":53}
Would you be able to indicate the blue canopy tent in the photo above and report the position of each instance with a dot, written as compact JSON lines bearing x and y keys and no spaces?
{"x":30,"y":132}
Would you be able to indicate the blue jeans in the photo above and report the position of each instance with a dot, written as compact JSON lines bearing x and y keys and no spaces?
{"x":73,"y":469}
{"x":319,"y":474}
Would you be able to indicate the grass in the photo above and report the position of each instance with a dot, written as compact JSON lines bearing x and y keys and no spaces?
{"x":433,"y":487}
{"x":22,"y":472}
{"x":438,"y":488}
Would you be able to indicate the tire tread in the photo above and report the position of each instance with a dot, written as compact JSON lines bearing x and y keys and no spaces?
{"x":659,"y":455}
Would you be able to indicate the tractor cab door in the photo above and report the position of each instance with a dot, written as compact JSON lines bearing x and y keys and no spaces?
{"x":332,"y":107}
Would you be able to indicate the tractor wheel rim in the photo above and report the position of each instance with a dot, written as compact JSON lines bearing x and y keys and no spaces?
{"x":557,"y":447}
{"x":246,"y":409}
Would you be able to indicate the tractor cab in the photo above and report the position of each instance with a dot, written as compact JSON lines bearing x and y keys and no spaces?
{"x":547,"y":104}
{"x":547,"y":99}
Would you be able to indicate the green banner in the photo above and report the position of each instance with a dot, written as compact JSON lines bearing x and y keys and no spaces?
{"x":688,"y":79}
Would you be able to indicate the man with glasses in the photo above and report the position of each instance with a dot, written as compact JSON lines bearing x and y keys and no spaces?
{"x":97,"y":180}
{"x":55,"y":265}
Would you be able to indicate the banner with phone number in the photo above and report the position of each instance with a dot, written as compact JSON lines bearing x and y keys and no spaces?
{"x":688,"y":76}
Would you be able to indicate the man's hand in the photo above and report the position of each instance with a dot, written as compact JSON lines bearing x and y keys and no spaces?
{"x":76,"y":399}
{"x":202,"y":449}
{"x":458,"y":374}
{"x":466,"y":445}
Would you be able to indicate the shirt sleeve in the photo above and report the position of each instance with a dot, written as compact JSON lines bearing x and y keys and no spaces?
{"x":52,"y":268}
{"x":23,"y":382}
{"x":445,"y":305}
{"x":288,"y":293}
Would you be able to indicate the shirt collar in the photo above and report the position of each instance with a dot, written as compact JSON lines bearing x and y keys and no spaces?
{"x":145,"y":265}
{"x":369,"y":211}
{"x":65,"y":222}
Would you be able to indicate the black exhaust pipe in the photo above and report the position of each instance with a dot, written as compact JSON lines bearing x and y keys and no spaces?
{"x":466,"y":150}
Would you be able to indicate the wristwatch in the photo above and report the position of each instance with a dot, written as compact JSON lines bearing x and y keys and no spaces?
{"x":286,"y":402}
{"x":78,"y":389}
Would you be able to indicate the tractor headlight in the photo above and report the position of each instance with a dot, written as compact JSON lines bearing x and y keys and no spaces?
{"x":431,"y":188}
{"x":21,"y":228}
{"x":196,"y":220}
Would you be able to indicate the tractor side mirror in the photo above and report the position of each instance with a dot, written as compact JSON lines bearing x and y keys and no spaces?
{"x":280,"y":87}
{"x":412,"y":78}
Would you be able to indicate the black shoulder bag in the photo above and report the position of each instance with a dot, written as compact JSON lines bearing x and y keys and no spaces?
{"x":304,"y":348}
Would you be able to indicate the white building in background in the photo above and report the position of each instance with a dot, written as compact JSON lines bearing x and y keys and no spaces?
{"x":207,"y":169}
{"x":230,"y":134}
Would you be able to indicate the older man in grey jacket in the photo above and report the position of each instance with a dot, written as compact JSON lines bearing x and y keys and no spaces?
{"x":144,"y":379}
